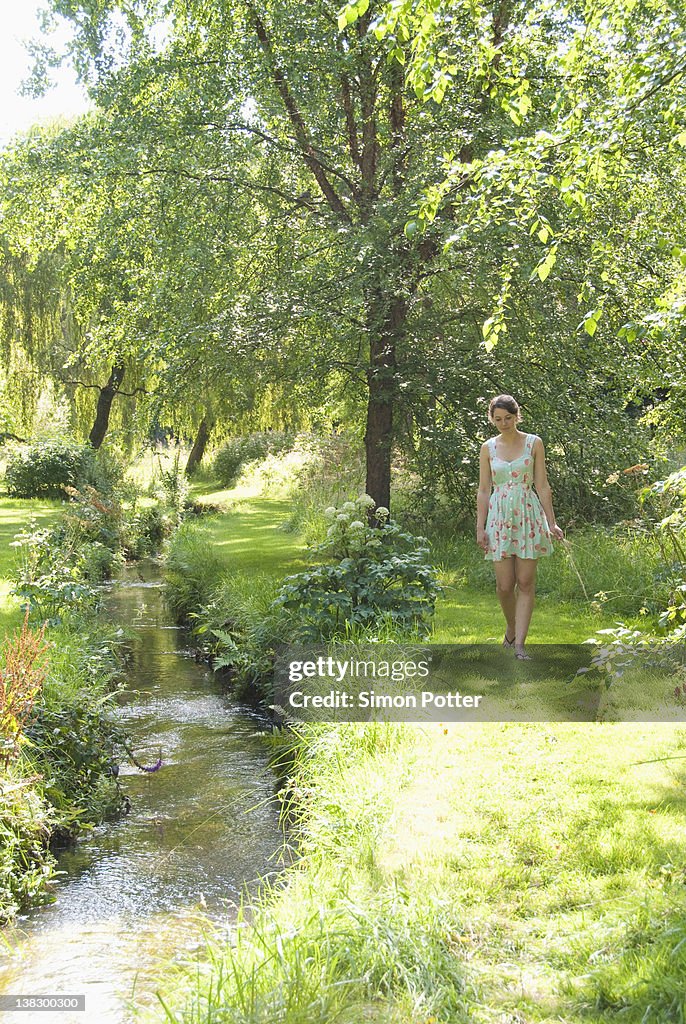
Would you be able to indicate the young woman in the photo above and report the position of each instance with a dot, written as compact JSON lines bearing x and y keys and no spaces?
{"x":514,"y":524}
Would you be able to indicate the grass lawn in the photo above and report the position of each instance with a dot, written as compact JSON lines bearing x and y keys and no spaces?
{"x":562,"y":861}
{"x":250,"y":536}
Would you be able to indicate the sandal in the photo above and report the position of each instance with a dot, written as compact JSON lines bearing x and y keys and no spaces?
{"x":521,"y":654}
{"x":508,"y":643}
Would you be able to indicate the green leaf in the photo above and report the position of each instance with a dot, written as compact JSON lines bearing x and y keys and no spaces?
{"x":545,"y":266}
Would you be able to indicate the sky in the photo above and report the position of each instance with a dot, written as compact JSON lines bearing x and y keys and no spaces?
{"x":17,"y":113}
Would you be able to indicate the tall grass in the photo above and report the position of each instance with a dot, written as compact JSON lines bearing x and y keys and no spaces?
{"x":335,"y":945}
{"x":608,"y":569}
{"x":455,"y":874}
{"x":193,"y":570}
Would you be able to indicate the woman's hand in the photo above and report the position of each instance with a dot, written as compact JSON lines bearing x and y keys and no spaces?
{"x":556,"y":533}
{"x":482,"y":539}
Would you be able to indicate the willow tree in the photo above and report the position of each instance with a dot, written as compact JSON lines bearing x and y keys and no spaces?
{"x":51,"y":299}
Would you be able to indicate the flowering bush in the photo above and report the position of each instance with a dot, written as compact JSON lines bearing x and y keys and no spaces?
{"x":369,"y":573}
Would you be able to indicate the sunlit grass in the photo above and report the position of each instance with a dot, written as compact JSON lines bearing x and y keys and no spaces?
{"x":468,"y":873}
{"x":250,"y":536}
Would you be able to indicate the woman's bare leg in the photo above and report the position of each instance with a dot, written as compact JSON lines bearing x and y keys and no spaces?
{"x":505,"y":589}
{"x":525,"y":575}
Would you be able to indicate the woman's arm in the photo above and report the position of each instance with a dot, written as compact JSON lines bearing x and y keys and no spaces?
{"x":543,"y":488}
{"x":482,"y":497}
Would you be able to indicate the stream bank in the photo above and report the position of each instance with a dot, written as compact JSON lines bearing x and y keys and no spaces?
{"x":202,"y":831}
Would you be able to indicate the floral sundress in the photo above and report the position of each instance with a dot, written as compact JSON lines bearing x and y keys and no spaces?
{"x":516,"y":523}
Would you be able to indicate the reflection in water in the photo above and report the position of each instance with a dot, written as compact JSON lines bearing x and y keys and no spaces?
{"x":201,"y":830}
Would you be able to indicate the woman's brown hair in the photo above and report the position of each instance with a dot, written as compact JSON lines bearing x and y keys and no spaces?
{"x":506,"y":402}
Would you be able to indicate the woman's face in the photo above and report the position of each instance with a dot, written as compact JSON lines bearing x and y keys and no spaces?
{"x":505,"y":421}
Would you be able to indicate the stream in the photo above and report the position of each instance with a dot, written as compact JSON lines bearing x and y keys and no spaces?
{"x":202,"y":831}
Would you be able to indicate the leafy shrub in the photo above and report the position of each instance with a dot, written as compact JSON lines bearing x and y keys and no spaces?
{"x":107,"y":474}
{"x":51,"y":582}
{"x":669,"y":497}
{"x":377,"y":578}
{"x":237,"y":452}
{"x":43,"y":469}
{"x":146,"y":529}
{"x":62,"y":779}
{"x":371,"y":573}
{"x":172,"y":492}
{"x":74,"y":751}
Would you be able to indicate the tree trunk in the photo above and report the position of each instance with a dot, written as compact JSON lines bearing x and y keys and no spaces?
{"x":386,"y":326}
{"x":199,"y":445}
{"x":105,"y":399}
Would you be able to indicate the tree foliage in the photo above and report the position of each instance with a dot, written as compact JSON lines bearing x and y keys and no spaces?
{"x":284,"y":215}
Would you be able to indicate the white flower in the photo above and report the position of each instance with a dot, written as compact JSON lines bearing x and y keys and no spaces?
{"x":342,"y":518}
{"x":382,"y":512}
{"x":330,"y":512}
{"x":366,"y":500}
{"x":356,"y":525}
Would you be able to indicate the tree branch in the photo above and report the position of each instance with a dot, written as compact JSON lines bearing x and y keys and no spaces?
{"x":296,"y":118}
{"x":101,"y":387}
